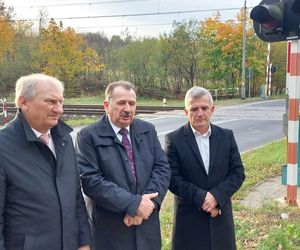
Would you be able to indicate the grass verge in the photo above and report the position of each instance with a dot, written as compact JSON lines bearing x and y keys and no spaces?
{"x":82,"y":121}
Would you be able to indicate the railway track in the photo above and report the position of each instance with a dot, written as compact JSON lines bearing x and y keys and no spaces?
{"x":90,"y":110}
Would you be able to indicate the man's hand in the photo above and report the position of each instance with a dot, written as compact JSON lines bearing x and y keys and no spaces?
{"x":210,"y":202}
{"x":132,"y":221}
{"x":214,"y":213}
{"x":146,"y":206}
{"x":86,"y":247}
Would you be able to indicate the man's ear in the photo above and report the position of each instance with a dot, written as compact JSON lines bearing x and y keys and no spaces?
{"x":105,"y":105}
{"x":186,"y":111}
{"x":23,"y":103}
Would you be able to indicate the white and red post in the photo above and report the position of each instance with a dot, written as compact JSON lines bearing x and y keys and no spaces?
{"x":268,"y":73}
{"x":293,"y":90}
{"x":4,"y":107}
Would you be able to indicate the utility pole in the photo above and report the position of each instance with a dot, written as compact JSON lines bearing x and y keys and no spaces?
{"x":244,"y":53}
{"x":249,"y":79}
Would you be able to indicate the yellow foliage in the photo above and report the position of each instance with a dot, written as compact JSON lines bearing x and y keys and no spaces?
{"x":7,"y":37}
{"x":64,"y":54}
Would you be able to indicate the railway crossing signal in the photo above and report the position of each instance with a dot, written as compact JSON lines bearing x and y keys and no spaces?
{"x":277,"y":20}
{"x":274,"y":21}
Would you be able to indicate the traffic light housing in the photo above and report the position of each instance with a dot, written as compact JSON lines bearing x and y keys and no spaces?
{"x":274,"y":69}
{"x":277,"y":20}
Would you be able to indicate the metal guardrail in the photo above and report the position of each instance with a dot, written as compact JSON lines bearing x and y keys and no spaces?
{"x":225,"y":93}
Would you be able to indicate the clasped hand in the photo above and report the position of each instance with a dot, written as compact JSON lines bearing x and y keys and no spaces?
{"x":210,"y":204}
{"x":144,"y":210}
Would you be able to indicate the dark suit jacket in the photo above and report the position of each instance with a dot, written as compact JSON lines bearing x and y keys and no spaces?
{"x":41,"y":204}
{"x":194,"y":228}
{"x":108,"y":181}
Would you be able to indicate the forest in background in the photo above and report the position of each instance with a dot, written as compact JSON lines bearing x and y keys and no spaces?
{"x":207,"y":53}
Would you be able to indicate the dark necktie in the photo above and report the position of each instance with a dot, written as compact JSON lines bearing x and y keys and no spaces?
{"x":127,"y":145}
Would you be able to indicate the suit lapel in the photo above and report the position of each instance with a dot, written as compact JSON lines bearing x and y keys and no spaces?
{"x":60,"y":148}
{"x":137,"y":134}
{"x":213,"y":148}
{"x":107,"y":133}
{"x":60,"y":139}
{"x":191,"y":141}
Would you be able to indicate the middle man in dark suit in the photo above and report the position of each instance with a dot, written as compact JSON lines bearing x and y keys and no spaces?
{"x":125,"y":174}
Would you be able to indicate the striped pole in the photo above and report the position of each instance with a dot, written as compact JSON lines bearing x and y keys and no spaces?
{"x":4,"y":113}
{"x":270,"y":80}
{"x":268,"y":70}
{"x":293,"y":84}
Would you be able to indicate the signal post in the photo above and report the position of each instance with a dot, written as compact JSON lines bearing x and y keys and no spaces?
{"x":274,"y":21}
{"x":293,"y":83}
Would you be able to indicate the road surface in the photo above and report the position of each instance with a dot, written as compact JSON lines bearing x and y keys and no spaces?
{"x":253,"y":124}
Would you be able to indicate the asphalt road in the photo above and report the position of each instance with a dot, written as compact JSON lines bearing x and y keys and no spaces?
{"x":253,"y":124}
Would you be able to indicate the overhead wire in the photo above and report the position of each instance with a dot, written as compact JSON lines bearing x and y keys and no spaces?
{"x":128,"y":15}
{"x":79,"y":4}
{"x":134,"y":14}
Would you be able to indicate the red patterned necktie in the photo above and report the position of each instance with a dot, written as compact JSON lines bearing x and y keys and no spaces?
{"x":44,"y":138}
{"x":127,"y":145}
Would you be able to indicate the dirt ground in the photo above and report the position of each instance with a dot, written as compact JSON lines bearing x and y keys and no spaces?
{"x":266,"y":191}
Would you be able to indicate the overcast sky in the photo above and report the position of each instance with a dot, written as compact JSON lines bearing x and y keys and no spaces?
{"x":141,"y":25}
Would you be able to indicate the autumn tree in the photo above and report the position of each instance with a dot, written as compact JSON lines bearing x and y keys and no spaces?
{"x":221,"y":60}
{"x":210,"y":59}
{"x":64,"y":54}
{"x":7,"y":33}
{"x":7,"y":39}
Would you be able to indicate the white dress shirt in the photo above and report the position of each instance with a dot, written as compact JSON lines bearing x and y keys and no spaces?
{"x":203,"y":145}
{"x":117,"y":129}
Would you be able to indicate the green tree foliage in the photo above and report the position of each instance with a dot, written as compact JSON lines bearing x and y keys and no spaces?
{"x":181,"y":51}
{"x":101,"y":45}
{"x":278,"y":59}
{"x":141,"y":65}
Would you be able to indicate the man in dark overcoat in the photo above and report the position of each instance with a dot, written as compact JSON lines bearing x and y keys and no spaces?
{"x":41,"y":204}
{"x":206,"y":171}
{"x":125,"y":173}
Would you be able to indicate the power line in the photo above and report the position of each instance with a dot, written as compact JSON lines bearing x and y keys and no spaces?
{"x":134,"y":15}
{"x":125,"y":25}
{"x":80,"y":4}
{"x":119,"y":26}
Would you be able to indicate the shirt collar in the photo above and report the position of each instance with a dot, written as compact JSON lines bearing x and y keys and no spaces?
{"x":38,"y":134}
{"x":115,"y":128}
{"x":205,"y":135}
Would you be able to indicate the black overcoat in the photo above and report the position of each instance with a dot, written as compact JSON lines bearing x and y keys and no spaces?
{"x":41,"y":204}
{"x":193,"y":228}
{"x":107,"y":180}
